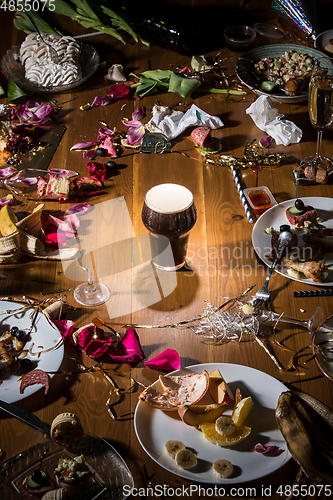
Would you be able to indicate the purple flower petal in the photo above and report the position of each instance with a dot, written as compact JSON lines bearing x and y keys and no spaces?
{"x":6,"y":200}
{"x":5,"y":172}
{"x":81,"y":146}
{"x":102,"y":100}
{"x":139,"y":113}
{"x":265,"y":141}
{"x":62,"y":171}
{"x":269,"y":450}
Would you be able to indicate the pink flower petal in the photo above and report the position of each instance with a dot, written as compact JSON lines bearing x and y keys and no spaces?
{"x":107,"y":144}
{"x":78,"y":209}
{"x":97,"y":170}
{"x":265,"y":141}
{"x":119,"y":92}
{"x":167,"y":360}
{"x":65,"y":327}
{"x":127,"y":350}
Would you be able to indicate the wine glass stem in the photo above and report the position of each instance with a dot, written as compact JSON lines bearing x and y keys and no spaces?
{"x":319,"y":138}
{"x":90,"y":288}
{"x":272,"y":316}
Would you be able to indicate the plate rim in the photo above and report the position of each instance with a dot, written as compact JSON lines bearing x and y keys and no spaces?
{"x":33,"y":388}
{"x":278,"y":267}
{"x":217,"y":480}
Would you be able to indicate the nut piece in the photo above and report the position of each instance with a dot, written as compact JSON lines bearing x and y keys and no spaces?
{"x":321,"y":176}
{"x":66,"y":429}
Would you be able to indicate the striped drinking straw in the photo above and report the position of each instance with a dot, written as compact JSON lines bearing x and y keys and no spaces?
{"x":241,"y":194}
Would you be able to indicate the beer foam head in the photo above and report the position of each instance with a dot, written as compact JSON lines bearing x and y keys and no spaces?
{"x":169,"y":198}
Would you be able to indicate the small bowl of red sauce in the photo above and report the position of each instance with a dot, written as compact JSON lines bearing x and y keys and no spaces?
{"x":259,"y":199}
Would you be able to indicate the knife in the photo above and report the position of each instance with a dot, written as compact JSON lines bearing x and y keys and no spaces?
{"x":25,"y":416}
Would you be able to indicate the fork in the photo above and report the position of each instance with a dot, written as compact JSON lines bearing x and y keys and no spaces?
{"x":263,"y":295}
{"x":53,"y":52}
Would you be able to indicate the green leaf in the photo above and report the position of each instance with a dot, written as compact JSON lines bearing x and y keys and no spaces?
{"x":1,"y":90}
{"x":22,"y":22}
{"x":183,"y":86}
{"x":84,"y":7}
{"x":60,"y":7}
{"x":118,"y":21}
{"x":13,"y":91}
{"x":145,"y":86}
{"x":213,"y":90}
{"x":157,"y":74}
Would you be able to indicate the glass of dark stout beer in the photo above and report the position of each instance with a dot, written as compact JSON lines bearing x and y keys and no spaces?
{"x":169,"y":214}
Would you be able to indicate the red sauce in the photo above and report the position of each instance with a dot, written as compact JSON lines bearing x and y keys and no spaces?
{"x":260,"y":201}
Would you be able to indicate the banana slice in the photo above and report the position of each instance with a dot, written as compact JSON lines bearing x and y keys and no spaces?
{"x":223,"y":468}
{"x":173,"y":446}
{"x":224,"y":427}
{"x":186,"y":459}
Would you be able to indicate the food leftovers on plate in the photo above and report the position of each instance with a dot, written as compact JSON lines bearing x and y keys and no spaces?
{"x":202,"y":401}
{"x":307,"y":259}
{"x":290,"y":71}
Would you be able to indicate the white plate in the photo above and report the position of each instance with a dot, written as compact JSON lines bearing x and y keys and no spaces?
{"x":44,"y":336}
{"x":154,"y":427}
{"x":322,"y":40}
{"x":275,"y":217}
{"x":111,"y":478}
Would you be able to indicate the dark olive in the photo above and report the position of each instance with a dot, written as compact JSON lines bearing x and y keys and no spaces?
{"x":101,"y":152}
{"x":111,"y":164}
{"x":299,"y":204}
{"x":39,"y":477}
{"x":20,"y":335}
{"x":284,"y":227}
{"x":26,"y":364}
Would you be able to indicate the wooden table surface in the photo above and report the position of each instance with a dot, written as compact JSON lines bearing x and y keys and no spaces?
{"x":221,"y":257}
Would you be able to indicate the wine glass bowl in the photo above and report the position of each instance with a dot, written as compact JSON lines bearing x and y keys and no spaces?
{"x":320,"y":102}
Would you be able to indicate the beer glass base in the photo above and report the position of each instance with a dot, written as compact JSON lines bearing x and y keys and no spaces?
{"x":169,"y":268}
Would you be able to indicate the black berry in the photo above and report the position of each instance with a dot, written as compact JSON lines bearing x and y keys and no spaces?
{"x":26,"y":364}
{"x":38,"y":477}
{"x":111,"y":164}
{"x":101,"y":152}
{"x":20,"y":335}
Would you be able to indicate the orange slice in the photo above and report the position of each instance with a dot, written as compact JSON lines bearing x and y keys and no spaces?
{"x":241,"y":432}
{"x":241,"y":410}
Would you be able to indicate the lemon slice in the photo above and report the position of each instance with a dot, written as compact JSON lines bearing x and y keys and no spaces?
{"x":241,"y":432}
{"x":241,"y":410}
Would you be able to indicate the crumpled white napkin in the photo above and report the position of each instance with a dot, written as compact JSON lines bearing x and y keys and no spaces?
{"x":172,"y":123}
{"x":268,"y":119}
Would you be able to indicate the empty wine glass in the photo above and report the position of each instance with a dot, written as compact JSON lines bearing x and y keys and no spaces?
{"x":91,"y":293}
{"x":320,"y":99}
{"x":310,"y":324}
